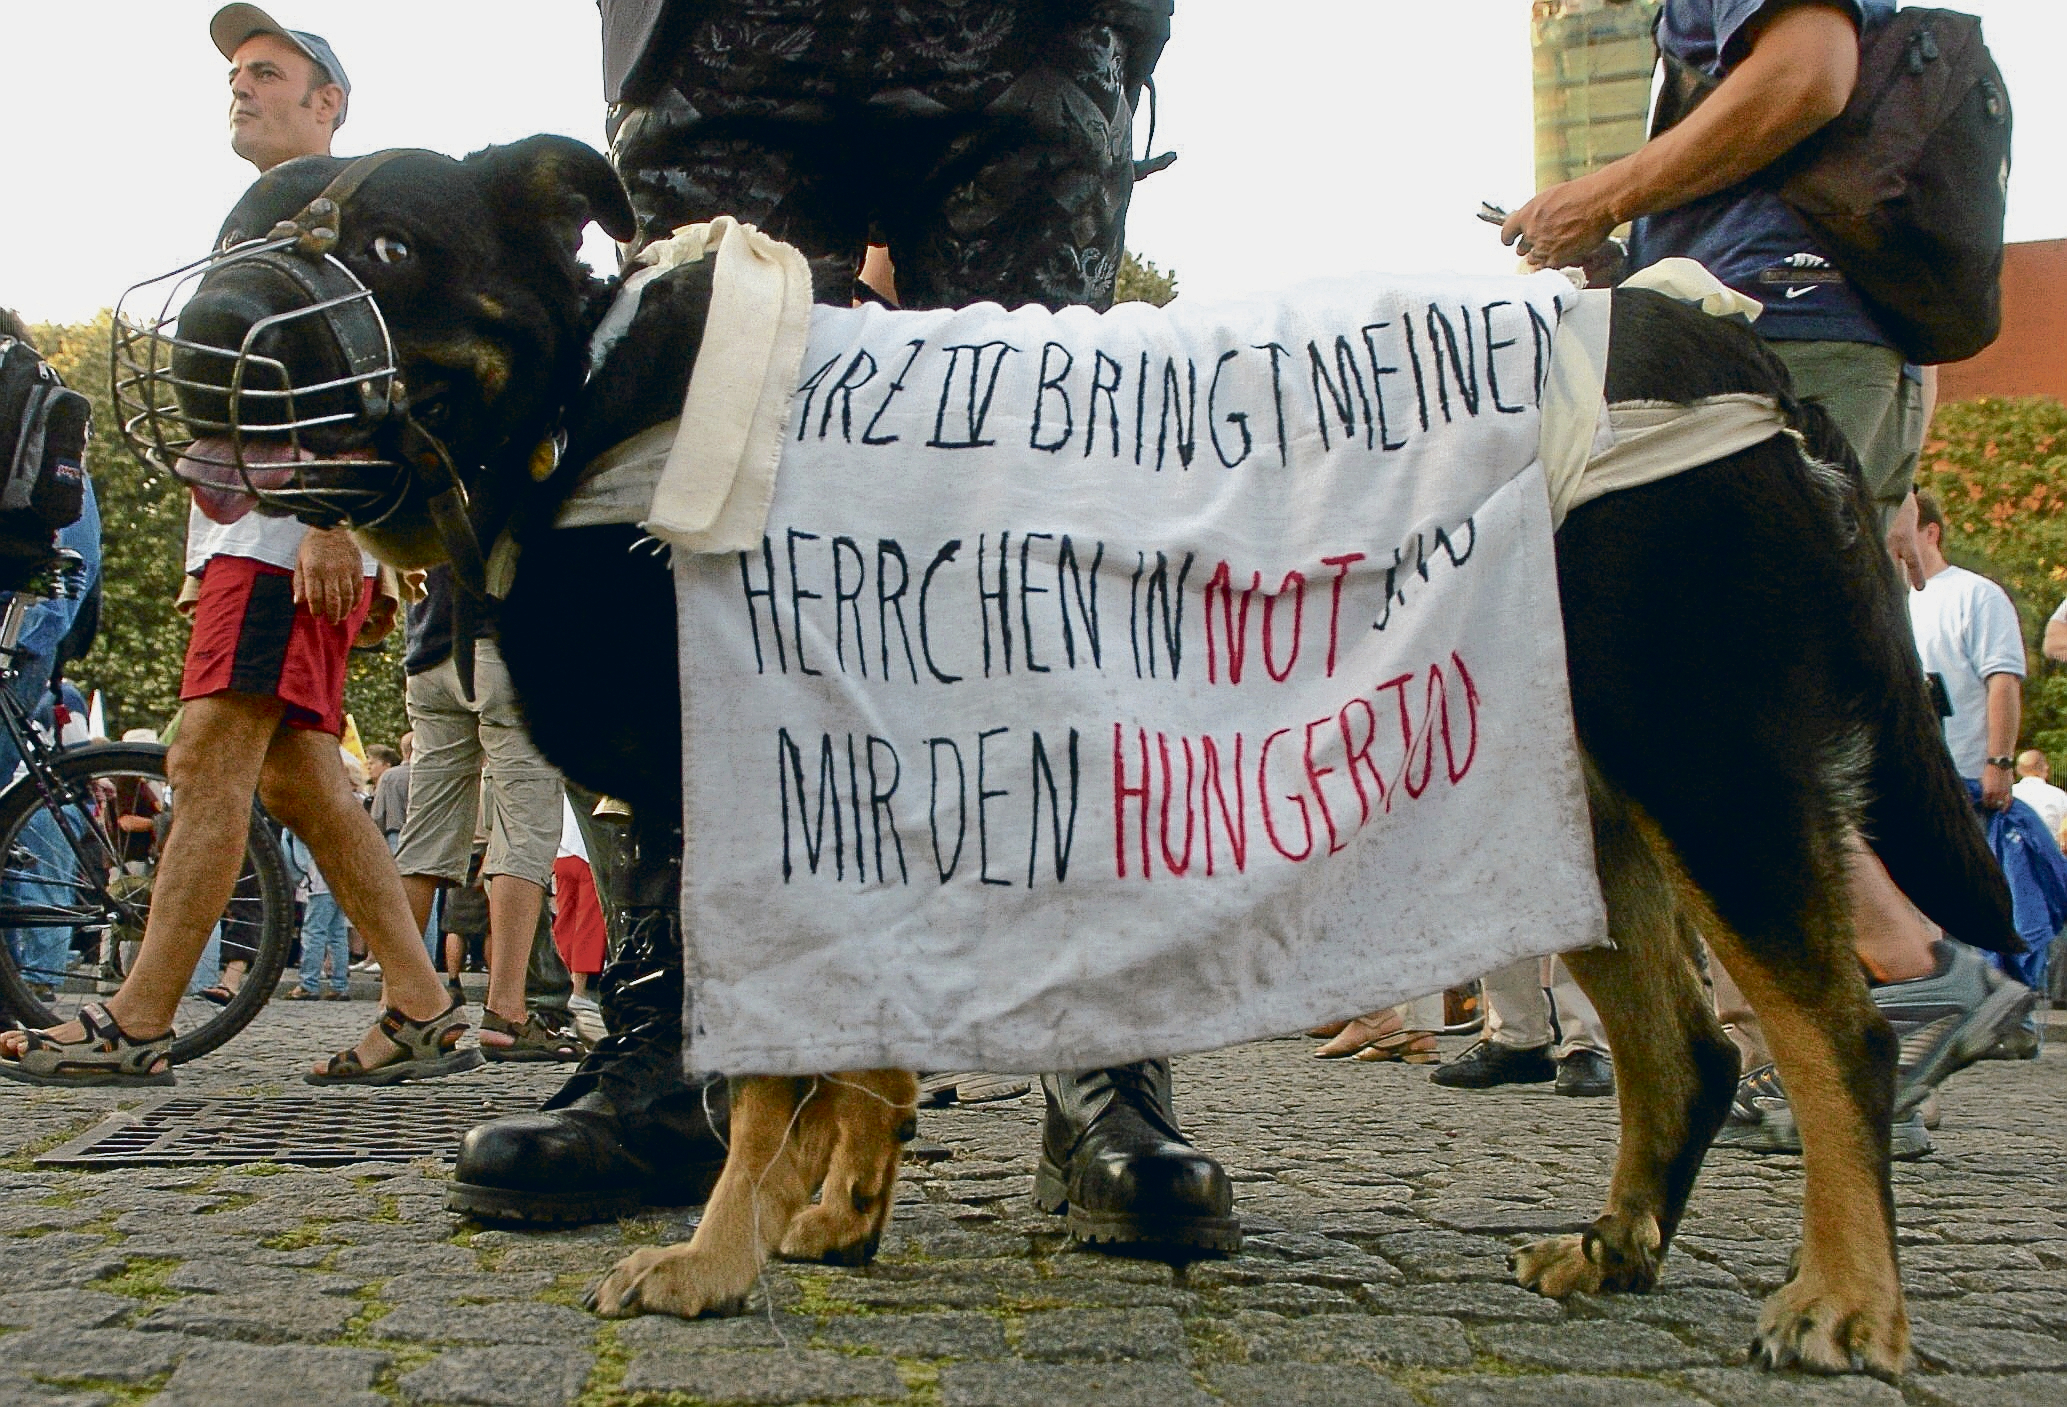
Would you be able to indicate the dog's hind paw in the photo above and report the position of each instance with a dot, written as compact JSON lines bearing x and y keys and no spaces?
{"x":1807,"y":1326}
{"x":670,"y":1280}
{"x":1615,"y":1253}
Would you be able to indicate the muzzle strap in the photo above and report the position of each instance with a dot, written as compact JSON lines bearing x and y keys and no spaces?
{"x":315,"y":229}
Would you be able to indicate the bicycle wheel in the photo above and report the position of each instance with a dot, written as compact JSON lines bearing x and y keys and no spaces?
{"x":75,"y":891}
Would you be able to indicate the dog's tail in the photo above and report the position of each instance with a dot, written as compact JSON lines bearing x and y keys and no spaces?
{"x":1917,"y":815}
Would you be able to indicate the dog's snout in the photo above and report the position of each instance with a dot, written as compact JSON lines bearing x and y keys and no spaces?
{"x":254,"y":327}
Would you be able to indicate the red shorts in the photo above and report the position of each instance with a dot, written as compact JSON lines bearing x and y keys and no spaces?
{"x":578,"y":930}
{"x":251,"y":638}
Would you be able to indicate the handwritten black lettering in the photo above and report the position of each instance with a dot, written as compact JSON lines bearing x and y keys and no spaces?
{"x":977,"y":410}
{"x":1066,"y":559}
{"x":869,"y":436}
{"x":843,"y":391}
{"x":1026,"y":589}
{"x":1277,"y":396}
{"x":798,"y":596}
{"x":983,"y":798}
{"x":887,"y":551}
{"x":1100,"y":361}
{"x":1064,"y":834}
{"x":1237,"y":418}
{"x":933,"y":747}
{"x":941,"y":558}
{"x":746,"y":582}
{"x":1052,"y":385}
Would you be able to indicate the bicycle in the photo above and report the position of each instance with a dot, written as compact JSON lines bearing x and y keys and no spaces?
{"x":80,"y":833}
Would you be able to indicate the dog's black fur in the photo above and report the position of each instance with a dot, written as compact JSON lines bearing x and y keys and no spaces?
{"x":1742,"y":681}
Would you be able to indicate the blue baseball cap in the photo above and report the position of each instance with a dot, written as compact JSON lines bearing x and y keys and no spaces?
{"x":233,"y":24}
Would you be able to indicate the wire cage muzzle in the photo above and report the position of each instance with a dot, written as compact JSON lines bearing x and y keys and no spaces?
{"x":235,"y":419}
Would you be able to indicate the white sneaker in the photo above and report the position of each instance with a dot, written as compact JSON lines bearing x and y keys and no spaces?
{"x":588,"y":1019}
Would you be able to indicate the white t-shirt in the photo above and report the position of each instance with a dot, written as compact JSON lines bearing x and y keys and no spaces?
{"x":1966,"y":629}
{"x":259,"y":536}
{"x":2046,"y":799}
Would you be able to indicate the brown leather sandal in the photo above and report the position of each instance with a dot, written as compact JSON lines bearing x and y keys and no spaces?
{"x":531,"y":1040}
{"x":1409,"y":1047}
{"x":1355,"y":1035}
{"x":424,"y":1050}
{"x":108,"y":1056}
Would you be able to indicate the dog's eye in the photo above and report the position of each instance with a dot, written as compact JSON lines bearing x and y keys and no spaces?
{"x":389,"y":249}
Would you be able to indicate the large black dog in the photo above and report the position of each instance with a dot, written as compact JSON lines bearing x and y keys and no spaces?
{"x":1742,"y":612}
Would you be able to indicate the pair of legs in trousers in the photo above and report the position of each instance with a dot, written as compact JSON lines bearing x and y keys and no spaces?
{"x":1519,"y":1015}
{"x":1540,"y":1028}
{"x":323,"y":935}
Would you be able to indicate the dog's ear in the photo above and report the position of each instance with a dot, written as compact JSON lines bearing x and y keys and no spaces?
{"x":559,"y":181}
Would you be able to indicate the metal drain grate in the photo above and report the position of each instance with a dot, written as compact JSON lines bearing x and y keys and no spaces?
{"x":383,"y":1126}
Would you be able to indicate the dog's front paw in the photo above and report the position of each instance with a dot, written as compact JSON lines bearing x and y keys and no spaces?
{"x":1618,"y":1252}
{"x":1556,"y":1266}
{"x":831,"y":1235}
{"x":670,"y":1280}
{"x":1808,"y":1325}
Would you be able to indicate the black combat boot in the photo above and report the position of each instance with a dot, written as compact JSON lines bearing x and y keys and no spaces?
{"x":1113,"y":1157}
{"x":627,"y":1131}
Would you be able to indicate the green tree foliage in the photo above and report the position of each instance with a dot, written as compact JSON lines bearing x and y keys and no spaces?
{"x":1142,"y":282}
{"x":1999,"y":469}
{"x":137,"y":659}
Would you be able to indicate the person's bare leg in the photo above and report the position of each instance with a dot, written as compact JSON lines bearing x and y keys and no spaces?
{"x":213,"y":767}
{"x":514,"y":905}
{"x":422,"y":890}
{"x":303,"y":784}
{"x":1892,"y":939}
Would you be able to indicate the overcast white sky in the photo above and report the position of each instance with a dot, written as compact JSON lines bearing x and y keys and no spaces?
{"x":1315,"y":136}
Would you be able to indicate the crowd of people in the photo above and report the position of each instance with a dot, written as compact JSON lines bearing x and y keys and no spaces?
{"x":1004,"y":192}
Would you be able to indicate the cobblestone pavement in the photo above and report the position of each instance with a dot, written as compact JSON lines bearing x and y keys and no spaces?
{"x":1379,"y":1209}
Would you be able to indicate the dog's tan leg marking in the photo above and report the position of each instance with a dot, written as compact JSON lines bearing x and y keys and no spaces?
{"x":1674,"y":1067}
{"x":1842,"y":1311}
{"x":846,"y":1223}
{"x":782,"y":1133}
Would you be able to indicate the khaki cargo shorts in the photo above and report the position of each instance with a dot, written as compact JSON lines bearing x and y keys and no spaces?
{"x":1879,"y":409}
{"x":459,"y":745}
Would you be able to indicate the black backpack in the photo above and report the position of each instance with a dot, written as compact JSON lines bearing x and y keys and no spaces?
{"x":43,"y":427}
{"x":1905,"y":189}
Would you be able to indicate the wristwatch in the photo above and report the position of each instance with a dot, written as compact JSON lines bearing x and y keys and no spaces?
{"x":2007,"y":763}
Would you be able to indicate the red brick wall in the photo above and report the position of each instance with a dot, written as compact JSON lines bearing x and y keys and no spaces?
{"x":2030,"y":358}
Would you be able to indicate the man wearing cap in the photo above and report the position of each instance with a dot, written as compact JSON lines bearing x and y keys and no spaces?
{"x":276,"y":609}
{"x":288,"y":92}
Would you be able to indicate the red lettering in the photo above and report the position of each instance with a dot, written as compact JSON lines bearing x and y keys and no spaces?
{"x":1236,"y":633}
{"x":1175,"y":865}
{"x":1450,"y":762}
{"x":1354,"y":753}
{"x":1263,"y":801}
{"x":1121,"y":791}
{"x":1406,"y":723}
{"x":1297,"y":582}
{"x":1424,"y":737}
{"x":1341,"y":565}
{"x":1236,"y":821}
{"x":1313,"y":777}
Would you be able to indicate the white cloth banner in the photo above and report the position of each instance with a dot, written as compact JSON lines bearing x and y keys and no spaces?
{"x":1131,"y":684}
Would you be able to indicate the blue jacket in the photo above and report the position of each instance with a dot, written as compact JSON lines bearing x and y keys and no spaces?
{"x":2037,"y":876}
